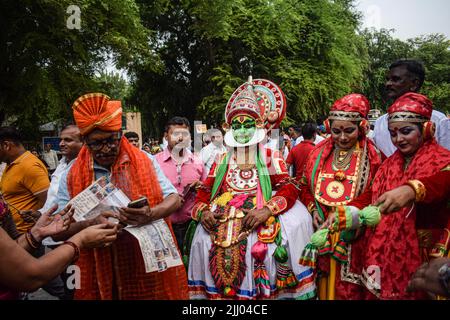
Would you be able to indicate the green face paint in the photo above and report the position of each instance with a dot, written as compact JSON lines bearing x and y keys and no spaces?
{"x":244,"y":128}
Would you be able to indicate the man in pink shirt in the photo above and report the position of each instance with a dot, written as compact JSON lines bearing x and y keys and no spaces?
{"x":183,"y":169}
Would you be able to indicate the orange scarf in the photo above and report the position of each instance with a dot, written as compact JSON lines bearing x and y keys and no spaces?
{"x":118,"y":271}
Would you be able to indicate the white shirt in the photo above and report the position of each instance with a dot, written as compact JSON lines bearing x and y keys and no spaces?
{"x":316,"y":141}
{"x":53,"y":191}
{"x":209,"y":153}
{"x":382,"y":138}
{"x":51,"y":158}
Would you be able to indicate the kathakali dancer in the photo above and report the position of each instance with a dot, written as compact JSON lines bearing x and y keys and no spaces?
{"x":407,"y":236}
{"x":337,"y":173}
{"x":251,"y":228}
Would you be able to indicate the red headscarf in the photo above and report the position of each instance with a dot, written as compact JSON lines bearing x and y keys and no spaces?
{"x":95,"y":110}
{"x":412,"y":102}
{"x":353,"y":103}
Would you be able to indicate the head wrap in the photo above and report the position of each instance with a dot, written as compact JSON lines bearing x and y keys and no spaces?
{"x":352,"y":107}
{"x":259,"y":99}
{"x":411,"y":107}
{"x":95,"y":111}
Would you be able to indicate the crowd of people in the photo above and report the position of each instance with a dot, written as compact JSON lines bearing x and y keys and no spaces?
{"x":246,"y":211}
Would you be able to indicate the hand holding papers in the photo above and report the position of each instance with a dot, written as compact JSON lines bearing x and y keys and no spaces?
{"x":155,"y":239}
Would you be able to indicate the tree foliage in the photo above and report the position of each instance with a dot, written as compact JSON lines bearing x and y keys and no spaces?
{"x":432,"y":50}
{"x":44,"y":65}
{"x":208,"y":48}
{"x":185,"y":57}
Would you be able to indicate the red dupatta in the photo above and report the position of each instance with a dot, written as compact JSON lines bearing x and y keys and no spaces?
{"x":392,"y":246}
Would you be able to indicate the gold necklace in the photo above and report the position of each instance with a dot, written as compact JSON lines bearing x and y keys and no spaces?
{"x":342,"y":158}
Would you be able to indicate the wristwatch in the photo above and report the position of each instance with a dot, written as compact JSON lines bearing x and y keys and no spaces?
{"x":444,"y":276}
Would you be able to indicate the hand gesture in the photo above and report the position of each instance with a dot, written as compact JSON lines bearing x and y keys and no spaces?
{"x":396,"y":199}
{"x":30,"y":216}
{"x":96,"y":236}
{"x":106,"y":217}
{"x":137,"y":216}
{"x":427,"y":277}
{"x":49,"y":225}
{"x":209,"y":220}
{"x":317,"y":220}
{"x":255,"y":217}
{"x":329,"y":221}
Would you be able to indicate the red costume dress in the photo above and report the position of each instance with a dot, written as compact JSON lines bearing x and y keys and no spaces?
{"x":329,"y":183}
{"x":404,"y":239}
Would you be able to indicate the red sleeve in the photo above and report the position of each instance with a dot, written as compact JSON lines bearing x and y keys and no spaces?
{"x":289,"y":159}
{"x":306,"y":197}
{"x":437,"y":187}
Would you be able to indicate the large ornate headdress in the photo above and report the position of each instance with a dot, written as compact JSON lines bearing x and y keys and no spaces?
{"x":259,"y":99}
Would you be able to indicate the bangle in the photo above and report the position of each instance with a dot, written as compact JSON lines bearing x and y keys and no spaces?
{"x":75,"y":248}
{"x":276,"y":205}
{"x":311,"y":207}
{"x":32,"y":240}
{"x":419,"y":189}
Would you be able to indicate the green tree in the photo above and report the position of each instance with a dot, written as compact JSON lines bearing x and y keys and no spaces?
{"x":208,"y":48}
{"x":45,"y":66}
{"x":433,"y":51}
{"x":382,"y":50}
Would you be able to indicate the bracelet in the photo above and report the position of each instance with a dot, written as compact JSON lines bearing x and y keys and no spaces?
{"x":76,"y":248}
{"x":32,"y":242}
{"x":311,"y":207}
{"x":276,"y":205}
{"x":419,"y":189}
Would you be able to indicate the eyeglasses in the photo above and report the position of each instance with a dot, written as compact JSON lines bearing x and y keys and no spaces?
{"x":98,"y":145}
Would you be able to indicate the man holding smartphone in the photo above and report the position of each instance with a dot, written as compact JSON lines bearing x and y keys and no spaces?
{"x":184,"y":169}
{"x":118,"y":271}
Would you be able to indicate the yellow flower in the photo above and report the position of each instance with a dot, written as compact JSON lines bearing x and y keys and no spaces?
{"x":224,"y":199}
{"x":254,"y":201}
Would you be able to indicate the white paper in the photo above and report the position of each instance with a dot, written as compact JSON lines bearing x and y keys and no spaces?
{"x":157,"y":246}
{"x":100,"y":196}
{"x":155,"y":239}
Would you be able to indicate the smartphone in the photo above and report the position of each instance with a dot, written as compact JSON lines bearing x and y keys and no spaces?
{"x":138,"y":203}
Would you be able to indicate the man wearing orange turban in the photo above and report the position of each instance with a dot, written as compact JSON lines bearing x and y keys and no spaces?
{"x":118,"y":271}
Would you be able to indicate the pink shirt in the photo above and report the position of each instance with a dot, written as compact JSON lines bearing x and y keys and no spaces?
{"x":189,"y":170}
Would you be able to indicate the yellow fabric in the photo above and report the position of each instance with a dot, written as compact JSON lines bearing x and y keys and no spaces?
{"x":21,"y":181}
{"x":327,"y":285}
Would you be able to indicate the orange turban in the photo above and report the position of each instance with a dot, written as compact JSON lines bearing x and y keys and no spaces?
{"x":95,"y":111}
